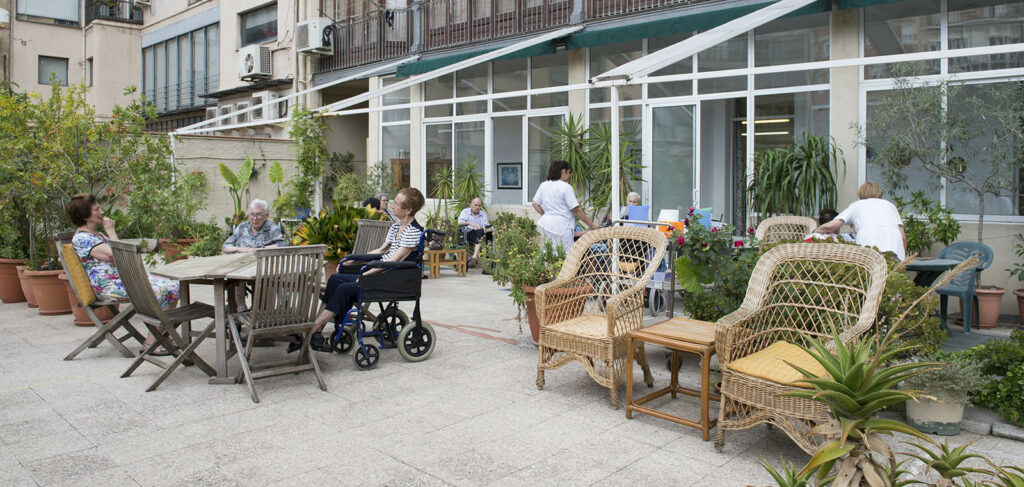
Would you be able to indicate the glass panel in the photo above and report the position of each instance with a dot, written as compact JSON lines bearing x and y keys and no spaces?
{"x":199,"y":66}
{"x":509,"y":75}
{"x":161,"y":77}
{"x":917,"y":178}
{"x":792,"y":40}
{"x":978,"y":23}
{"x":606,"y":57}
{"x":980,"y":151}
{"x":259,"y":26}
{"x":550,"y":70}
{"x":506,"y":187}
{"x":674,"y":88}
{"x":395,"y":150}
{"x":469,"y":143}
{"x":471,"y":81}
{"x":721,"y":85}
{"x":439,"y":88}
{"x":791,"y":78}
{"x":185,"y":67}
{"x":781,"y":120}
{"x":631,"y":124}
{"x":56,"y":66}
{"x":672,"y":158}
{"x":539,"y":152}
{"x":148,"y":81}
{"x":723,"y":158}
{"x":438,"y":138}
{"x":212,"y":58}
{"x":900,"y":28}
{"x":400,"y":97}
{"x":172,"y":74}
{"x":731,"y":54}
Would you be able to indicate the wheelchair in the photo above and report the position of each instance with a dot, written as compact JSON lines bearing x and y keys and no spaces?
{"x":390,"y":327}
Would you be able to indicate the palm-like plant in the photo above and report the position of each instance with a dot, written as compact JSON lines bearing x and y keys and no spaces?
{"x":796,"y":180}
{"x":236,"y":184}
{"x":788,"y":477}
{"x":948,"y":462}
{"x":468,"y":183}
{"x":336,"y":229}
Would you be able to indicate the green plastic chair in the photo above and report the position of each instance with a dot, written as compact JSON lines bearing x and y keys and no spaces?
{"x":964,"y":286}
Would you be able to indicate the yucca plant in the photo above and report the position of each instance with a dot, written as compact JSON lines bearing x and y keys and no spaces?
{"x":1010,"y":476}
{"x":796,"y":180}
{"x":948,"y":462}
{"x":468,"y":182}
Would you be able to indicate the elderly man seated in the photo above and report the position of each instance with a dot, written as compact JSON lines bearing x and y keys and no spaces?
{"x":474,"y":222}
{"x":255,"y":233}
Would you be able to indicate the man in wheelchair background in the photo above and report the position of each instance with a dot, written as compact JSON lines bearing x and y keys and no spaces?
{"x":401,"y":244}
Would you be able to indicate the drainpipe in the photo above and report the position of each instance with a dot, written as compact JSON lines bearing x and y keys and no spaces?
{"x":577,"y":12}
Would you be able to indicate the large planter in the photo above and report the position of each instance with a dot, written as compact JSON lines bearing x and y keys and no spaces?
{"x":26,"y":287}
{"x":940,"y":417}
{"x":51,"y":296}
{"x":10,"y":285}
{"x":81,"y":317}
{"x":989,"y":301}
{"x":531,"y":308}
{"x":330,"y":268}
{"x":1020,"y":306}
{"x":173,"y":250}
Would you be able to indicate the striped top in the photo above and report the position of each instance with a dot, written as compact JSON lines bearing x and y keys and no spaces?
{"x":410,"y":238}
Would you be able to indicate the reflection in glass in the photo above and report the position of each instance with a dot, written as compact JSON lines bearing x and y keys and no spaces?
{"x":900,"y":28}
{"x":509,"y":75}
{"x":540,"y":131}
{"x":395,"y":152}
{"x":440,"y":88}
{"x":918,"y":179}
{"x":979,"y":23}
{"x":548,"y":71}
{"x":673,"y":88}
{"x":672,"y":158}
{"x":781,"y":120}
{"x":400,"y":97}
{"x":471,"y":81}
{"x":609,"y":56}
{"x":438,"y":142}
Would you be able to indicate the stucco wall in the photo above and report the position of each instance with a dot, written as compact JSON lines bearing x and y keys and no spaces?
{"x":1001,"y":238}
{"x":33,"y":39}
{"x":231,"y":40}
{"x":205,"y":153}
{"x":115,"y":49}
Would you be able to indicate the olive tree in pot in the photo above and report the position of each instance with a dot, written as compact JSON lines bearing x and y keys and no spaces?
{"x":949,"y":386}
{"x":970,"y":136}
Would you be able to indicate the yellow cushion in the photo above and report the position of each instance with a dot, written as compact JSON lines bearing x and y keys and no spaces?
{"x":76,"y":272}
{"x":770,"y":364}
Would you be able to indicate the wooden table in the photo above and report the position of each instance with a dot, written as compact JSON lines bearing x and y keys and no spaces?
{"x":438,"y":258}
{"x":220,"y":271}
{"x":928,"y":270}
{"x":680,"y":335}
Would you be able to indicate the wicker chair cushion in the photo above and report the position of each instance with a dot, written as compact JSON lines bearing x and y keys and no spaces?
{"x":76,"y":272}
{"x":589,"y":326}
{"x":771,"y":364}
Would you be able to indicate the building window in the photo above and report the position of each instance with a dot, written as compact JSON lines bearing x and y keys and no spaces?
{"x":901,"y":28}
{"x":178,"y":71}
{"x":987,"y":24}
{"x":53,"y":66}
{"x":260,"y":25}
{"x":59,"y":12}
{"x":88,"y":71}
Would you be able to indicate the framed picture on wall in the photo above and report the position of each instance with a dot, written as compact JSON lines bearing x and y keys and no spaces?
{"x":510,"y":175}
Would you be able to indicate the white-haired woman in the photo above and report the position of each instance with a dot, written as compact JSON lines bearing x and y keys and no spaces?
{"x":252,"y":234}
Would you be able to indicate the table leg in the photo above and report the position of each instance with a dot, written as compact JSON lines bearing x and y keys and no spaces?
{"x":705,"y":378}
{"x":675,"y":373}
{"x":220,"y":329}
{"x":184,"y":298}
{"x":629,"y":377}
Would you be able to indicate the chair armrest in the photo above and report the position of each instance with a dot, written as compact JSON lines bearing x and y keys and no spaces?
{"x":731,"y":329}
{"x":367,"y":257}
{"x":625,"y":310}
{"x":550,"y":305}
{"x":388,"y":264}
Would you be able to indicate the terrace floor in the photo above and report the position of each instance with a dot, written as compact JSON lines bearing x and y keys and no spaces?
{"x":470,"y":415}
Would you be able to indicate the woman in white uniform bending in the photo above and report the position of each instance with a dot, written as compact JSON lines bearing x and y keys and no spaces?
{"x":556,"y":202}
{"x":876,"y":221}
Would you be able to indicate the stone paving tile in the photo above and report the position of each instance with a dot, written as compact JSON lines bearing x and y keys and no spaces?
{"x":47,"y":446}
{"x":114,"y":477}
{"x":68,"y":467}
{"x":16,"y":476}
{"x":660,"y":468}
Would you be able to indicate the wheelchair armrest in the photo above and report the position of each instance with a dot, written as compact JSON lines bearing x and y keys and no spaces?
{"x":387,"y":264}
{"x":361,"y":257}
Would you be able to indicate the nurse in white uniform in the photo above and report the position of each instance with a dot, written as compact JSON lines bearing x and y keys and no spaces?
{"x":556,"y":202}
{"x":876,"y":221}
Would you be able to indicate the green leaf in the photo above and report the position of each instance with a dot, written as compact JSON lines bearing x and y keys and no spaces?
{"x":229,"y":177}
{"x":244,"y":173}
{"x":276,"y":173}
{"x":688,"y":278}
{"x":827,"y":453}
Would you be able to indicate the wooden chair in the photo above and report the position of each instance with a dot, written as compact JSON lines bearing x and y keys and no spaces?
{"x":87,"y":300}
{"x":796,"y":291}
{"x":284,"y":303}
{"x":597,"y":298}
{"x":160,"y":322}
{"x":370,"y":235}
{"x":779,"y":228}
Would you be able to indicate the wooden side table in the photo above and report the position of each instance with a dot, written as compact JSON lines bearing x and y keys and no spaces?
{"x":438,"y":258}
{"x":680,"y":335}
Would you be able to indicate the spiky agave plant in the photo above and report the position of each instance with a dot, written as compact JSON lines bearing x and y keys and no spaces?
{"x":948,"y":462}
{"x":788,"y":477}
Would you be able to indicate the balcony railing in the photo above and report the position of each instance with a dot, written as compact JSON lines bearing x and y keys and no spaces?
{"x":115,"y":10}
{"x":369,"y":37}
{"x":450,"y":23}
{"x":602,"y":9}
{"x":183,"y":96}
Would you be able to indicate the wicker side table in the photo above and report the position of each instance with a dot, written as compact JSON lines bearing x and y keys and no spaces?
{"x":438,"y":258}
{"x":680,"y":335}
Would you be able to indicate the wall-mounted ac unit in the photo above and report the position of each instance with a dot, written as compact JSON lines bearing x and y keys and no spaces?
{"x":254,"y":62}
{"x":315,"y":36}
{"x":224,"y":110}
{"x":264,"y":113}
{"x":242,"y":117}
{"x":142,"y":2}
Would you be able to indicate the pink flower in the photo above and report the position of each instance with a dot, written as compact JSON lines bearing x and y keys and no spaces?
{"x":750,"y":230}
{"x":686,"y":222}
{"x":703,"y":245}
{"x":681,"y":240}
{"x":714,"y":229}
{"x":692,"y":208}
{"x":737,"y":244}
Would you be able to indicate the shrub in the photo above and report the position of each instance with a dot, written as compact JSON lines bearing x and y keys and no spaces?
{"x":1004,"y":395}
{"x":709,"y":259}
{"x":926,"y":222}
{"x":959,"y":377}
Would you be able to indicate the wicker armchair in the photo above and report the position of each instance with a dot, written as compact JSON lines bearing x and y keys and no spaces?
{"x":796,"y":291}
{"x":596,"y":299}
{"x":779,"y":228}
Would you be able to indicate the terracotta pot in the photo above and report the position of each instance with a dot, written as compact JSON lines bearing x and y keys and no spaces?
{"x":50,"y":293}
{"x":26,"y":287}
{"x":81,"y":317}
{"x":989,"y":301}
{"x":10,"y":285}
{"x":330,"y":268}
{"x":531,"y":308}
{"x":173,"y":249}
{"x":1020,"y":306}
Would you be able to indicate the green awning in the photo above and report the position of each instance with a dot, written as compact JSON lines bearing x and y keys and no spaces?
{"x":428,"y":65}
{"x":680,"y":24}
{"x":848,"y":4}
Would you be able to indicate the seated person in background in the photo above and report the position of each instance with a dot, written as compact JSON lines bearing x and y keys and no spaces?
{"x":98,"y":259}
{"x":632,"y":199}
{"x":371,"y":202}
{"x":255,"y":233}
{"x":474,"y":222}
{"x":383,"y":199}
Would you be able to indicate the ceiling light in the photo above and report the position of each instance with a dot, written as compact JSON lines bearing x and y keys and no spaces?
{"x":768,"y":120}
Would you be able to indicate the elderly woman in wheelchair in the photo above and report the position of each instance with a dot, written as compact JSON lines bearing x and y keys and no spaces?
{"x":388,"y":275}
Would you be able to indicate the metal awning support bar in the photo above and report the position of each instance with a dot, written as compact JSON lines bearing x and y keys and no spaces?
{"x":198,"y":127}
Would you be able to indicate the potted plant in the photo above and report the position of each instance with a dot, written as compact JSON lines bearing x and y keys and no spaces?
{"x":43,"y":274}
{"x":337,"y":230}
{"x":10,"y":285}
{"x":81,"y":318}
{"x":177,"y":229}
{"x":26,"y":287}
{"x":798,"y":179}
{"x":949,"y":386}
{"x":712,"y":269}
{"x":1017,"y":270}
{"x":209,"y":240}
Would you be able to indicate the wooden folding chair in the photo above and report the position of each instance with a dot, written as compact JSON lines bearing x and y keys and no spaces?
{"x":87,"y":300}
{"x":284,"y":303}
{"x":160,"y":322}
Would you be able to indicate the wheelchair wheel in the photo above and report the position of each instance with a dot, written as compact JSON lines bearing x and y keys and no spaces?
{"x":656,"y":301}
{"x":344,"y":343}
{"x":416,"y":343}
{"x":386,"y":323}
{"x":367,"y":360}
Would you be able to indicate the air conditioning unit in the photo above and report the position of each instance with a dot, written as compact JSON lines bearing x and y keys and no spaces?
{"x":142,"y":2}
{"x":242,"y":117}
{"x":315,"y":36}
{"x":263,"y":113}
{"x":254,"y":62}
{"x":224,"y":110}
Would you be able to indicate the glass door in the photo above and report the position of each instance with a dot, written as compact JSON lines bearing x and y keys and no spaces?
{"x":670,"y":150}
{"x":539,"y":152}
